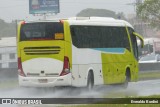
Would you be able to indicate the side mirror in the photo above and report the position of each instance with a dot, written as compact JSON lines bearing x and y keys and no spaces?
{"x":140,"y":38}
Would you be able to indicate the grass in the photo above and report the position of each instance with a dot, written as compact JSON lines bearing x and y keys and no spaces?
{"x":121,"y":105}
{"x":8,"y":84}
{"x":117,"y":105}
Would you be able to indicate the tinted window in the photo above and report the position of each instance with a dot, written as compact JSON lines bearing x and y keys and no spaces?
{"x":99,"y":37}
{"x":41,"y":30}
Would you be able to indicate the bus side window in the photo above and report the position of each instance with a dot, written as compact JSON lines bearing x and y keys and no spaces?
{"x":75,"y":37}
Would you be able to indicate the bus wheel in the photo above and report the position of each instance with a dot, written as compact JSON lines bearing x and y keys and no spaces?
{"x":125,"y":84}
{"x":90,"y":81}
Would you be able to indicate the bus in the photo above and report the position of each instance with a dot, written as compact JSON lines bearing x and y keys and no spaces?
{"x":78,"y":52}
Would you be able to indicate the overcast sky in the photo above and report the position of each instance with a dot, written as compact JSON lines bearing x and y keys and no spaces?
{"x":19,"y":9}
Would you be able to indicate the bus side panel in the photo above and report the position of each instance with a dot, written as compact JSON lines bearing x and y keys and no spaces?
{"x":114,"y":66}
{"x":135,"y":72}
{"x":135,"y":66}
{"x":98,"y":75}
{"x":68,"y":42}
{"x":75,"y":76}
{"x":18,"y":37}
{"x":85,"y":60}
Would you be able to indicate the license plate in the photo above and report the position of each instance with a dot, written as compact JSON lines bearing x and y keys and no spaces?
{"x":42,"y":80}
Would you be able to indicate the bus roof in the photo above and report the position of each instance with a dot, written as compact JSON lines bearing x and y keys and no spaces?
{"x":103,"y":21}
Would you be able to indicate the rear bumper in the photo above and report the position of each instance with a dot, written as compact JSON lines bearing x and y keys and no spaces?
{"x":51,"y":81}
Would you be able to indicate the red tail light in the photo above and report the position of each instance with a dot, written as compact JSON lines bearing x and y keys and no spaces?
{"x":66,"y":67}
{"x":61,"y":21}
{"x":20,"y":69}
{"x":22,"y":23}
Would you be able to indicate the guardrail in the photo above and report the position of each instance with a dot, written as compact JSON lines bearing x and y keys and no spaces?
{"x":8,"y":74}
{"x":149,"y":67}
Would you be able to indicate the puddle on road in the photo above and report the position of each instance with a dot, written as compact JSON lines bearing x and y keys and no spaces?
{"x":143,"y":88}
{"x":97,"y":92}
{"x":134,"y":89}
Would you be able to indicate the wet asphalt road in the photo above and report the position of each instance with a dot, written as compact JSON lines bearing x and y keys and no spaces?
{"x":141,"y":88}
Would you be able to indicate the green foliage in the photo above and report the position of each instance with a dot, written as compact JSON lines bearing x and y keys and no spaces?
{"x":100,"y":13}
{"x":150,"y":11}
{"x":7,"y":29}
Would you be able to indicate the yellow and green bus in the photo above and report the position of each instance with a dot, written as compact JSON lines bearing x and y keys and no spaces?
{"x":78,"y":52}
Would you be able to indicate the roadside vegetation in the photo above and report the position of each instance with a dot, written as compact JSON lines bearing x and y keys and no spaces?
{"x":8,"y":84}
{"x":118,"y":105}
{"x":122,"y":105}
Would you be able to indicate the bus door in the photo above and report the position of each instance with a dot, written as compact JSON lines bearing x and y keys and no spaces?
{"x":135,"y":53}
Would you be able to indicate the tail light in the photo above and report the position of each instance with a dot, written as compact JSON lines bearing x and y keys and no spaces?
{"x":61,"y":21}
{"x":23,"y":22}
{"x":20,"y":69}
{"x":66,"y":67}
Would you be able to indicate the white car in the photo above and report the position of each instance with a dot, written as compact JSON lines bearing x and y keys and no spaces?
{"x":151,"y":58}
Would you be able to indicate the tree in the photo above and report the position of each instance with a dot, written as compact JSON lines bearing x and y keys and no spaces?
{"x":100,"y":13}
{"x":150,"y":11}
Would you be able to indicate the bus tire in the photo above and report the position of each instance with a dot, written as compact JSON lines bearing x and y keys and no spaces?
{"x":127,"y":80}
{"x":90,"y":81}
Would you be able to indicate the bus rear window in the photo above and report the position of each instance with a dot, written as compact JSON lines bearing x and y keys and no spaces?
{"x":42,"y":31}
